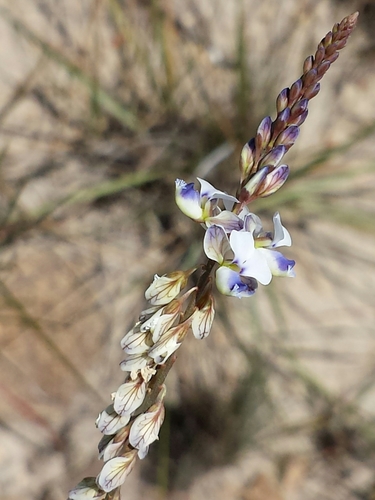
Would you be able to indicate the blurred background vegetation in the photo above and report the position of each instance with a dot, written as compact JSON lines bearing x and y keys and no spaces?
{"x":103,"y":104}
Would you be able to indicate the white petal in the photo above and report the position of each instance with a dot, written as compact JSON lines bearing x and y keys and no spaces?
{"x":188,"y":200}
{"x":208,"y":191}
{"x":87,"y":489}
{"x":202,"y":321}
{"x":150,"y":323}
{"x":253,"y":224}
{"x":115,"y":471}
{"x":129,"y":396}
{"x":135,"y":341}
{"x":227,"y":220}
{"x":165,"y":288}
{"x":142,"y":452}
{"x":135,"y":362}
{"x":257,"y":267}
{"x":145,"y":428}
{"x":215,"y":243}
{"x":278,"y":264}
{"x":242,"y":244}
{"x":251,"y":262}
{"x":164,"y":348}
{"x":110,"y":423}
{"x":163,"y":324}
{"x":281,"y":236}
{"x":231,"y":283}
{"x":111,"y":450}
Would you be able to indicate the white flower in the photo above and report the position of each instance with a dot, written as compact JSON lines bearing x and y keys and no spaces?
{"x":145,"y":428}
{"x":202,"y":207}
{"x":165,"y":288}
{"x":129,"y":396}
{"x":109,"y":422}
{"x":116,"y":470}
{"x":248,"y":255}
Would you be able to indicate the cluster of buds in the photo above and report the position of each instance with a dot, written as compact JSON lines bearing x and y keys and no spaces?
{"x":261,"y":174}
{"x":244,"y":255}
{"x":133,"y":420}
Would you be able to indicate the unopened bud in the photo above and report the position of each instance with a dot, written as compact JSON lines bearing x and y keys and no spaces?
{"x":247,"y":159}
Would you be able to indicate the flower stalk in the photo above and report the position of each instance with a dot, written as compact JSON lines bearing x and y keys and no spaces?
{"x":240,"y":253}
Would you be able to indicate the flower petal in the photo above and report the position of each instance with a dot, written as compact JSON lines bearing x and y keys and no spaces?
{"x":135,"y":341}
{"x":281,"y":236}
{"x":278,"y":264}
{"x":229,"y":282}
{"x":251,"y":263}
{"x":135,"y":362}
{"x":253,"y":224}
{"x":165,"y":288}
{"x":227,"y":220}
{"x":208,"y":191}
{"x":202,"y":320}
{"x":109,"y":422}
{"x":142,"y":452}
{"x":216,"y":244}
{"x":256,"y":181}
{"x":145,"y":428}
{"x":115,"y":471}
{"x":111,"y":450}
{"x":164,"y":347}
{"x":129,"y":396}
{"x":164,"y":323}
{"x":188,"y":199}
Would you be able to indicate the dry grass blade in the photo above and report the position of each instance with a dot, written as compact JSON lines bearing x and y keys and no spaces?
{"x":108,"y":103}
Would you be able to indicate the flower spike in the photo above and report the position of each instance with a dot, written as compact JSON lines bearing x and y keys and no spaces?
{"x":240,"y":253}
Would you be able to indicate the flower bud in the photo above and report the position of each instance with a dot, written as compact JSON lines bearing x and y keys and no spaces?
{"x":274,"y":157}
{"x":282,"y":100}
{"x":287,"y":137}
{"x":264,"y":132}
{"x":247,"y":159}
{"x":274,"y":180}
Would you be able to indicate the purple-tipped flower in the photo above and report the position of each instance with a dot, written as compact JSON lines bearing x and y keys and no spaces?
{"x":203,"y":206}
{"x":249,"y":253}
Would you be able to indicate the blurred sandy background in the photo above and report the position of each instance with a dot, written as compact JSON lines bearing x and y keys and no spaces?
{"x":103,"y":104}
